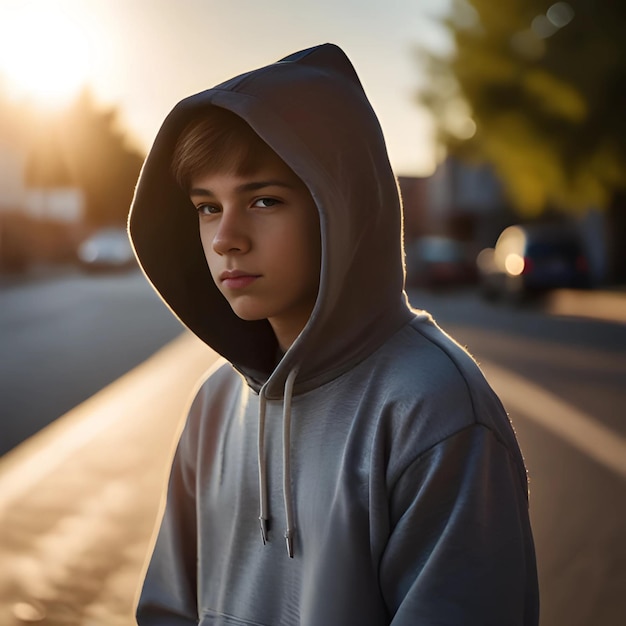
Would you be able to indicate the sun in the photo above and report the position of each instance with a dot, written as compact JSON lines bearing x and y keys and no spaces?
{"x":44,"y":53}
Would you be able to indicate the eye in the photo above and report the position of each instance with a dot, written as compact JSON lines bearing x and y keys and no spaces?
{"x":265,"y":203}
{"x":207,"y":209}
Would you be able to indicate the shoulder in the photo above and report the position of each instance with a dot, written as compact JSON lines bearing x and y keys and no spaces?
{"x":423,"y":341}
{"x":220,"y":389}
{"x":433,"y":388}
{"x":422,"y":364}
{"x":222,"y":377}
{"x":222,"y":384}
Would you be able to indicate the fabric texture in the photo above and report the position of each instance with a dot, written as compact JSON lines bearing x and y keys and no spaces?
{"x":406,"y":488}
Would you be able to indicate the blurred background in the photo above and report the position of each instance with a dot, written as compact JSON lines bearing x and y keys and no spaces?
{"x":505,"y":126}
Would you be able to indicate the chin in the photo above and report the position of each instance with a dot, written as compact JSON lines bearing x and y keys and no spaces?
{"x":250,"y":318}
{"x":247,"y":314}
{"x":246,"y":308}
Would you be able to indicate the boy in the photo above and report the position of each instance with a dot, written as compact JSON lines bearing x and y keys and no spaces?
{"x":345,"y":463}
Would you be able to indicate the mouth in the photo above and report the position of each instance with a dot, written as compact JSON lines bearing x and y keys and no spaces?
{"x":236,"y":279}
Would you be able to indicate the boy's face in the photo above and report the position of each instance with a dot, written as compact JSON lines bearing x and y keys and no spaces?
{"x":261,"y":238}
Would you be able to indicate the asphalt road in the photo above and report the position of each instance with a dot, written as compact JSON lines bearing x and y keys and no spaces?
{"x":65,"y":336}
{"x":562,"y":380}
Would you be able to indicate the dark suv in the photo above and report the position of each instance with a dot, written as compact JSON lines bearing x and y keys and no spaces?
{"x":533,"y":258}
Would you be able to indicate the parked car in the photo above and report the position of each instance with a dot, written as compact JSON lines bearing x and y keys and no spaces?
{"x":439,"y":261}
{"x":105,"y":250}
{"x":532,"y":259}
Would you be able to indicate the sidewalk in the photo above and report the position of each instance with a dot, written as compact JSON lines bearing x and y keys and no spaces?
{"x":78,"y":502}
{"x":604,"y":305}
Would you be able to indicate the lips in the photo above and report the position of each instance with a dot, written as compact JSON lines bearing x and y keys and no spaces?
{"x":237,"y":279}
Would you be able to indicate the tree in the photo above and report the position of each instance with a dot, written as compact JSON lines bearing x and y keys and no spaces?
{"x":537,"y":89}
{"x":84,"y":147}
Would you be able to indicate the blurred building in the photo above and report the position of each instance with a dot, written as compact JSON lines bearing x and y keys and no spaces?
{"x":415,"y":202}
{"x":40,"y":210}
{"x":12,"y":164}
{"x":467,"y":202}
{"x":459,"y":201}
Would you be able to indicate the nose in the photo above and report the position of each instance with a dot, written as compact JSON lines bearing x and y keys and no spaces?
{"x":231,"y":236}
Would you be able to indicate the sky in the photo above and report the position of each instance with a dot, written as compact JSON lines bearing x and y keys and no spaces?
{"x":143,"y":56}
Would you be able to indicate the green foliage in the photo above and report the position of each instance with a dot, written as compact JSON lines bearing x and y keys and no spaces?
{"x":538,"y":89}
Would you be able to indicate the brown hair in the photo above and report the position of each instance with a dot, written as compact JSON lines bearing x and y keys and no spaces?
{"x":217,"y":141}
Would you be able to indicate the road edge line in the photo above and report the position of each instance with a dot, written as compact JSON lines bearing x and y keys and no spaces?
{"x":559,"y":417}
{"x":27,"y":464}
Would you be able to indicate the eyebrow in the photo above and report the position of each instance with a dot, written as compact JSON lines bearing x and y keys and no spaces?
{"x":252,"y":186}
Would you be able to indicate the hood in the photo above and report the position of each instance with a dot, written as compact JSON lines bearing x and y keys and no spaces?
{"x":310,"y":108}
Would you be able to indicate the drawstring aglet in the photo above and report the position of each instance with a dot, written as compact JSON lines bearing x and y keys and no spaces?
{"x":263,"y":523}
{"x":289,"y":533}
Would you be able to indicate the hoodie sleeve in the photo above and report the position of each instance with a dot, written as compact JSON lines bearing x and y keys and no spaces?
{"x":461,"y":549}
{"x":168,"y":596}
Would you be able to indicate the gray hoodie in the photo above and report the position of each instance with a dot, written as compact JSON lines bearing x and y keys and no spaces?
{"x":383,"y":469}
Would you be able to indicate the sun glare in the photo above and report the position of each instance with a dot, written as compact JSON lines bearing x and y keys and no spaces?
{"x":44,"y":56}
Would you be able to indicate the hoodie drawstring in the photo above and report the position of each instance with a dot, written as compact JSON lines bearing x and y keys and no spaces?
{"x":290,"y":530}
{"x":262,"y":462}
{"x":263,"y":513}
